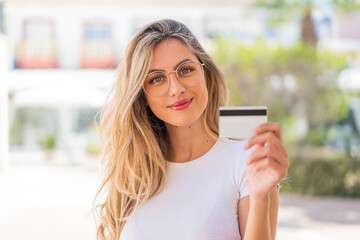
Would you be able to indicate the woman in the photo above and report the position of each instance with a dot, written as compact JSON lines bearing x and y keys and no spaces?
{"x":168,"y":175}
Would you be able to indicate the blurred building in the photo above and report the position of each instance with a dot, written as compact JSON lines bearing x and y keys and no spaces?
{"x":346,"y":39}
{"x":63,"y":54}
{"x":93,"y":34}
{"x":4,"y":102}
{"x":341,"y":34}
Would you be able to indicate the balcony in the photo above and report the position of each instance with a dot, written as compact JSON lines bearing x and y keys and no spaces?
{"x":37,"y":54}
{"x":98,"y":54}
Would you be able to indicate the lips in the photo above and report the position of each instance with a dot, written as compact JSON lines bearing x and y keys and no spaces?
{"x":181,"y":104}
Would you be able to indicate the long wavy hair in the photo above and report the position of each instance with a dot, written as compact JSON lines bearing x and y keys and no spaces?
{"x":134,"y":139}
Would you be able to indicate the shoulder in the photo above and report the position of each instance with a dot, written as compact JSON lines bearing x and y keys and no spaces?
{"x":233,"y":147}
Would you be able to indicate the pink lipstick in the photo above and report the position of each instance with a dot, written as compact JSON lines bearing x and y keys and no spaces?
{"x":181,"y":104}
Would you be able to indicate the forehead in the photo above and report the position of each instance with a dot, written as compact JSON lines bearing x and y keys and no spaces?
{"x":168,"y":53}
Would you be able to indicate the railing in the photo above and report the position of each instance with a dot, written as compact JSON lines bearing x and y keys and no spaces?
{"x":98,"y":54}
{"x":37,"y":54}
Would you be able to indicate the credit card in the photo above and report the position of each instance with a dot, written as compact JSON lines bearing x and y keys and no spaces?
{"x":239,"y":122}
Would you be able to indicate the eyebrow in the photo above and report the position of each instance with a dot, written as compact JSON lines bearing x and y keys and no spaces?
{"x":175,"y":67}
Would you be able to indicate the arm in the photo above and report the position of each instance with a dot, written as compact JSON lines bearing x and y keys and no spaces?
{"x":266,"y":166}
{"x":259,"y":218}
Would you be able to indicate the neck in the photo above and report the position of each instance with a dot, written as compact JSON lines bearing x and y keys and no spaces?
{"x":188,"y":142}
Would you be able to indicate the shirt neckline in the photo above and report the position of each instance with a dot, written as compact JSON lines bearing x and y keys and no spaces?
{"x":194,"y":161}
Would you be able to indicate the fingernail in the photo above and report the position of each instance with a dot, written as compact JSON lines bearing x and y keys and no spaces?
{"x":245,"y":146}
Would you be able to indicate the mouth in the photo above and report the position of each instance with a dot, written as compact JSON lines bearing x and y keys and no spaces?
{"x":181,"y":104}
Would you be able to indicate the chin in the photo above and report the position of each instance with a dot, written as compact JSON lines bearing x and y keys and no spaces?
{"x":182,"y":121}
{"x":183,"y":124}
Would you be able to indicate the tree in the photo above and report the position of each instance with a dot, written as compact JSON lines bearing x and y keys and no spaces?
{"x":284,"y":10}
{"x":294,"y":81}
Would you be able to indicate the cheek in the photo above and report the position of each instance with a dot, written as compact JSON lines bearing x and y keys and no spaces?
{"x":157,"y":108}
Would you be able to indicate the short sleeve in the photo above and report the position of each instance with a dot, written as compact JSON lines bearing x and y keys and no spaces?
{"x":240,"y":174}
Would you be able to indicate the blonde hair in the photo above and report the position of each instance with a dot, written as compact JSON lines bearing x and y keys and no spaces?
{"x":135,"y":140}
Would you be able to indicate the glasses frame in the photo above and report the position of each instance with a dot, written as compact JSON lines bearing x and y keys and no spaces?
{"x":174,"y":71}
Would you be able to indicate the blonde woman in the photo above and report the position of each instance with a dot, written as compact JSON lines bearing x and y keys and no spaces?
{"x":168,"y":175}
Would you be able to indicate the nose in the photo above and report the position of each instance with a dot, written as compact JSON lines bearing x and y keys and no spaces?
{"x":175,"y":88}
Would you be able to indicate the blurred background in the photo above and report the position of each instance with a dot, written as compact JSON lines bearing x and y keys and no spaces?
{"x":301,"y":59}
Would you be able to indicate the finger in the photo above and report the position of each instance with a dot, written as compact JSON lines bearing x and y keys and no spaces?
{"x":261,"y":164}
{"x":259,"y":139}
{"x":268,"y":138}
{"x":273,"y":127}
{"x":273,"y":146}
{"x":261,"y":154}
{"x":278,"y":171}
{"x":269,"y":151}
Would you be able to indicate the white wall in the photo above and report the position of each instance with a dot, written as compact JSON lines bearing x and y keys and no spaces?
{"x":4,"y":110}
{"x":69,"y":20}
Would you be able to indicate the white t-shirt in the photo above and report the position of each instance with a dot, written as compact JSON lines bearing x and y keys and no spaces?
{"x":200,"y":200}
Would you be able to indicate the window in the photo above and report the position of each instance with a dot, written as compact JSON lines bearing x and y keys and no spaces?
{"x":97,"y":46}
{"x":37,"y":48}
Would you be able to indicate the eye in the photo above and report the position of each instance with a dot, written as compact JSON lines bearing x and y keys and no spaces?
{"x":157,"y":79}
{"x":185,"y":70}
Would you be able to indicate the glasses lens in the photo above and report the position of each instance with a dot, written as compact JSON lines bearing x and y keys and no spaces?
{"x":156,"y":84}
{"x":189,"y":73}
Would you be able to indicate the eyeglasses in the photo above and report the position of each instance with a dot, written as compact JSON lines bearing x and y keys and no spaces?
{"x":189,"y":73}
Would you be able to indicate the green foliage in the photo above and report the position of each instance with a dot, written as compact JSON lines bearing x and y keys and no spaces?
{"x":346,"y":5}
{"x":16,"y":136}
{"x":323,"y":178}
{"x":281,"y":11}
{"x":287,"y":8}
{"x":93,"y":148}
{"x":292,"y":82}
{"x":317,"y":136}
{"x":49,"y":142}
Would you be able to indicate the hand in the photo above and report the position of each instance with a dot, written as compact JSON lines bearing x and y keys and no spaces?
{"x":268,"y":162}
